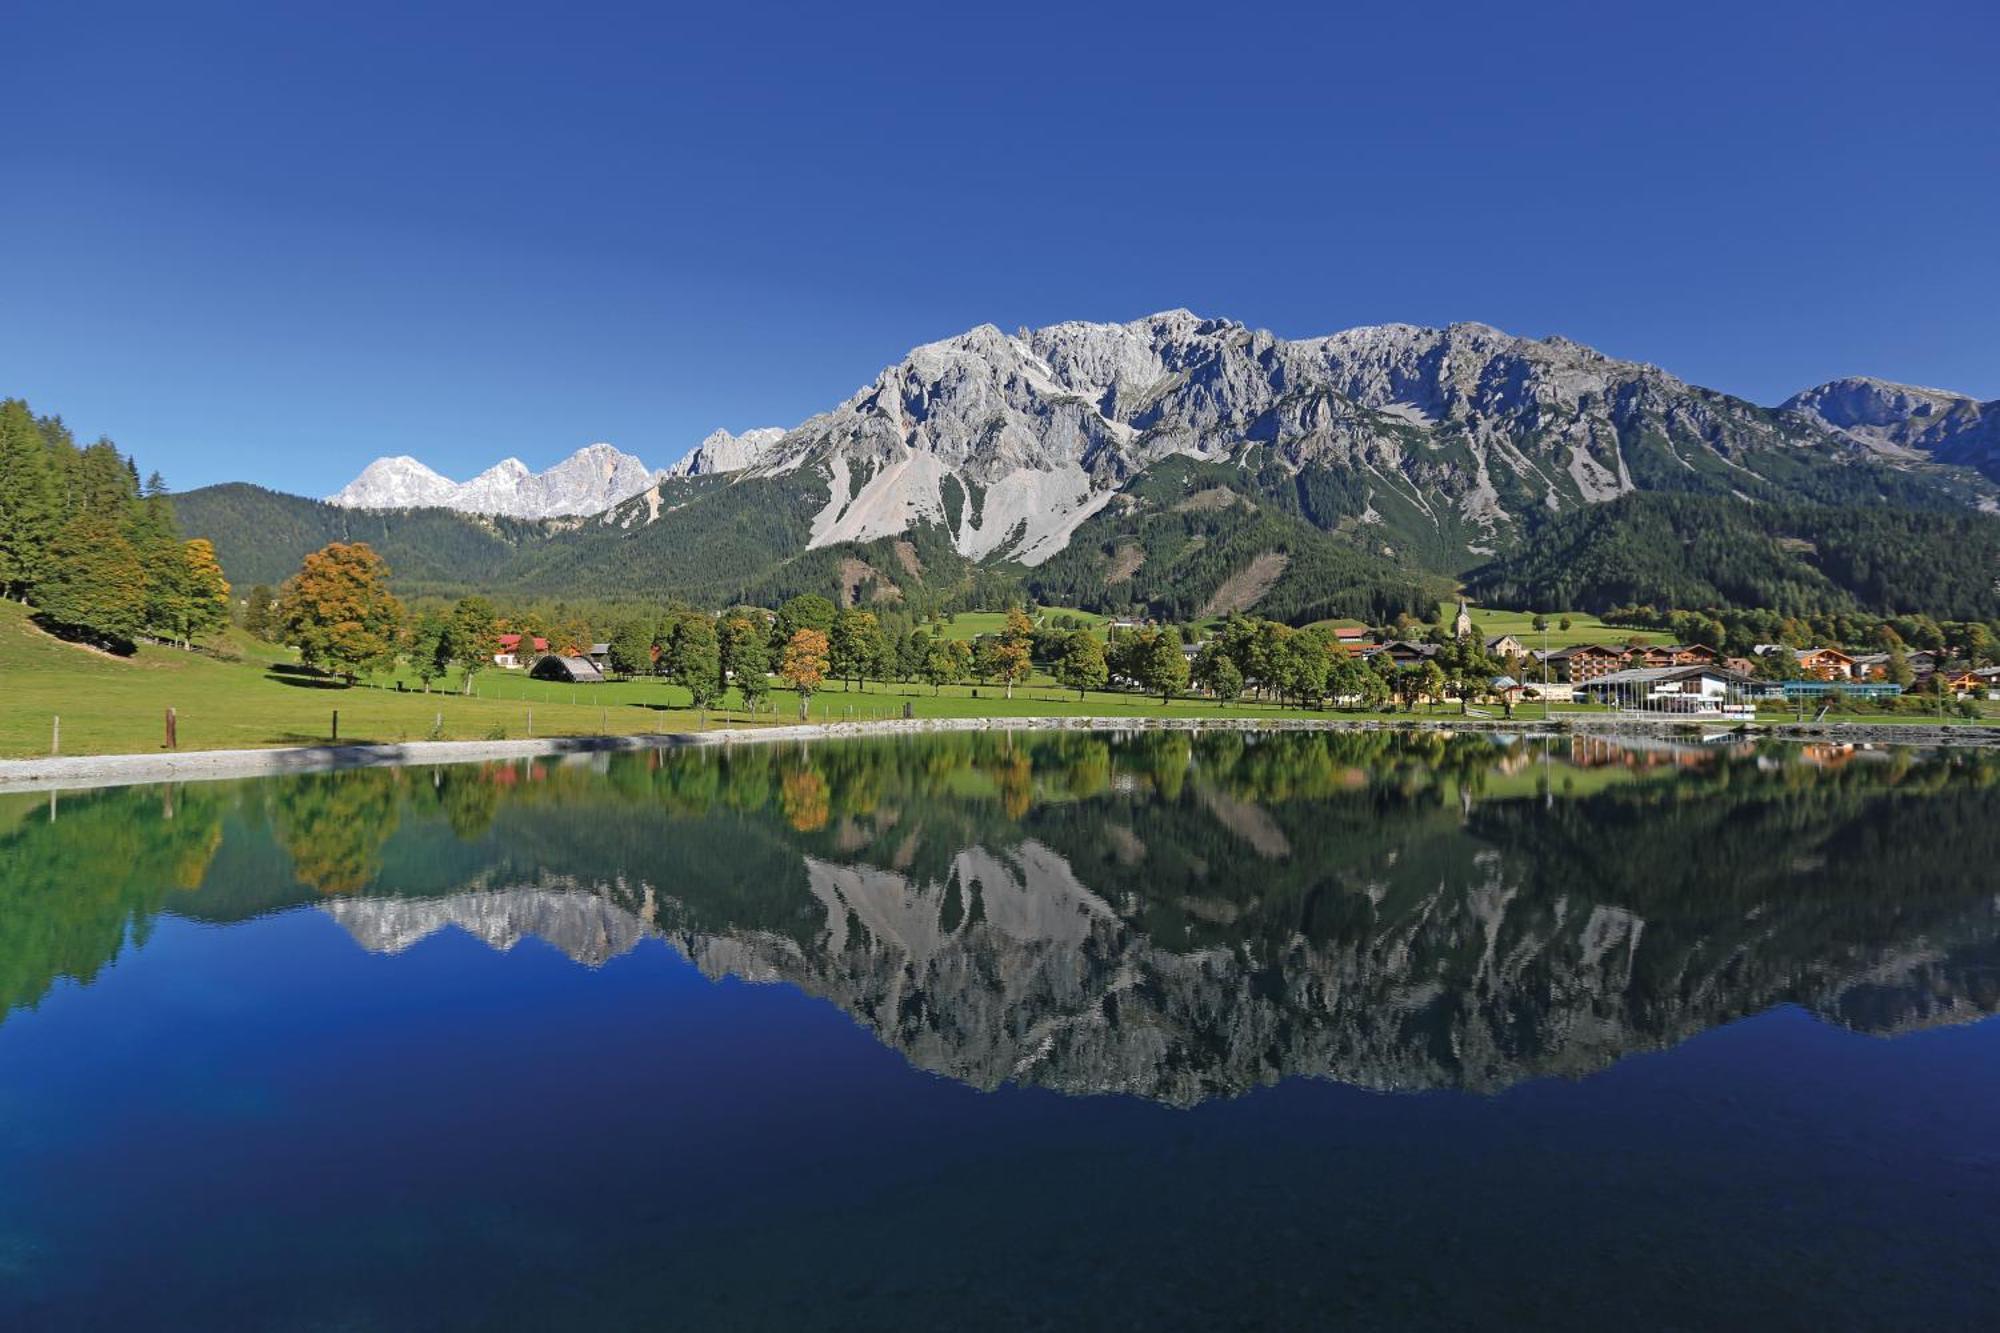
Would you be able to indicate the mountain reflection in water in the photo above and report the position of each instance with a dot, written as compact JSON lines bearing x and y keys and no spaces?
{"x":1174,"y":916}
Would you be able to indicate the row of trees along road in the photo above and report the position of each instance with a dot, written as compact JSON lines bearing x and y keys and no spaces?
{"x":339,"y":612}
{"x":99,"y":556}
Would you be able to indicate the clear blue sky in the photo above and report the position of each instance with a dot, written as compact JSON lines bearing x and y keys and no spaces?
{"x":272,"y":241}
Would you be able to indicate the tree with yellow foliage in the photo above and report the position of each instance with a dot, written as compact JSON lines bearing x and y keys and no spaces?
{"x":339,"y":613}
{"x":199,"y":597}
{"x":803,"y":666}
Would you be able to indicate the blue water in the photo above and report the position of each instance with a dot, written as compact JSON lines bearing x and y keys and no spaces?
{"x":244,"y":1118}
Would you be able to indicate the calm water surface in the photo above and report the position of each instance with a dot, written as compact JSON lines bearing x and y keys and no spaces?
{"x":1057,"y":1031}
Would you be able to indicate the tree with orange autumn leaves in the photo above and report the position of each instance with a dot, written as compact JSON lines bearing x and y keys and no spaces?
{"x":803,"y":666}
{"x":339,"y":611}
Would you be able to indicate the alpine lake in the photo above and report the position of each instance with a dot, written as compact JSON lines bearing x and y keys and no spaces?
{"x":1012,"y":1030}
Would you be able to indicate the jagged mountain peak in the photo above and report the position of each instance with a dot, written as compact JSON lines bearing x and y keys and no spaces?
{"x":592,"y":479}
{"x":399,"y":481}
{"x":719,"y":451}
{"x":512,"y":467}
{"x":1906,"y":420}
{"x":1867,"y":400}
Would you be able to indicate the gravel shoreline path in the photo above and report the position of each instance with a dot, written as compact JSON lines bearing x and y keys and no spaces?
{"x":75,"y":771}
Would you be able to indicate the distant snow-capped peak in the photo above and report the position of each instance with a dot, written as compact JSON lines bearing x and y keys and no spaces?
{"x":592,"y":479}
{"x":400,"y":482}
{"x":589,"y":481}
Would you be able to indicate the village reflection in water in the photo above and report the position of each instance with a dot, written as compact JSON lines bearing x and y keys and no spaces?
{"x":1174,"y":916}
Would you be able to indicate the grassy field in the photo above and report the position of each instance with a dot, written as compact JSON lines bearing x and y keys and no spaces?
{"x":111,"y":705}
{"x":1521,"y":624}
{"x":114,"y":705}
{"x":972,"y":624}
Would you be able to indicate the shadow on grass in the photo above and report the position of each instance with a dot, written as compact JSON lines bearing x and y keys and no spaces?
{"x":292,"y":676}
{"x":115,"y":645}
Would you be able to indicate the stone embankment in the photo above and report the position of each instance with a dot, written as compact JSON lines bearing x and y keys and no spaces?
{"x":208,"y":765}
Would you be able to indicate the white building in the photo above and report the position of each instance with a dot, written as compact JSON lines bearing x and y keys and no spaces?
{"x":1684,"y":691}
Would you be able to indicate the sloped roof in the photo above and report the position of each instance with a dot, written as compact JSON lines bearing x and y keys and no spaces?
{"x":579,"y":669}
{"x":1659,"y":675}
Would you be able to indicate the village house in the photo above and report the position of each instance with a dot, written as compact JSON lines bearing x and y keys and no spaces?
{"x":1825,"y":663}
{"x":1408,"y":652}
{"x":1871,"y":666}
{"x":509,"y":652}
{"x":1673,"y":654}
{"x":1963,"y":682}
{"x":1504,"y":646}
{"x":1584,"y":662}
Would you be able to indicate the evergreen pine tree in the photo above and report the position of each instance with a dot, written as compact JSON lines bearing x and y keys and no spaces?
{"x":170,"y":592}
{"x":30,"y":502}
{"x":106,"y":486}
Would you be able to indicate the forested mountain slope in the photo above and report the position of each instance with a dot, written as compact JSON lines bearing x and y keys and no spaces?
{"x":261,"y":536}
{"x":1696,"y":552}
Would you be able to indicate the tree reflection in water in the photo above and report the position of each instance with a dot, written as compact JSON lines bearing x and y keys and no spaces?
{"x":1175,"y":915}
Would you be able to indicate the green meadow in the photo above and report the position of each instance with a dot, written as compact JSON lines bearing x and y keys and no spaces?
{"x":251,"y":694}
{"x":1521,"y":624}
{"x":248,"y":694}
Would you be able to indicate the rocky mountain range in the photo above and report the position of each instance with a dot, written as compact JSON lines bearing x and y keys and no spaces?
{"x":589,"y":481}
{"x":1012,"y":440}
{"x":1471,"y":429}
{"x":1182,"y":466}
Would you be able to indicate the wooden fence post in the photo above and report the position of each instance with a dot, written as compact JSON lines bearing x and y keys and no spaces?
{"x":55,"y":736}
{"x":336,"y":726}
{"x":173,"y":731}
